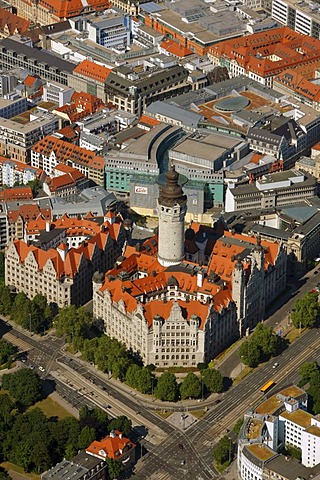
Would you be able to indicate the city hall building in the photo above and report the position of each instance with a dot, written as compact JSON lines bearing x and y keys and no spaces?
{"x":181,"y":297}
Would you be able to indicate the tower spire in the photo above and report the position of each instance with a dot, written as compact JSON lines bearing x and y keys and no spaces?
{"x":172,"y":208}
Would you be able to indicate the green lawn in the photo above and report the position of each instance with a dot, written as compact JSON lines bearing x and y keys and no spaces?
{"x":11,"y":466}
{"x":52,"y":409}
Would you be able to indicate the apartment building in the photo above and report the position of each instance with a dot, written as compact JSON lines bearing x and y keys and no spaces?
{"x":51,"y":151}
{"x":301,"y":16}
{"x":13,"y":172}
{"x":56,"y":93}
{"x":133,"y":92}
{"x":11,"y":108}
{"x":279,"y":420}
{"x":37,"y":62}
{"x":264,"y":55}
{"x":110,"y":31}
{"x":90,"y":77}
{"x":63,"y":274}
{"x":16,"y":138}
{"x":272,"y":190}
{"x":44,"y":12}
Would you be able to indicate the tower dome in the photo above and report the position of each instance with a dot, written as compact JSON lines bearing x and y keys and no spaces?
{"x":171,"y":193}
{"x":172,"y":208}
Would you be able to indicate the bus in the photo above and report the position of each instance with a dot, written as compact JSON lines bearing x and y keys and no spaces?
{"x":267,"y":386}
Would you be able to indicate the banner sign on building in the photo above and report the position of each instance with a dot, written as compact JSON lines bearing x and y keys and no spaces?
{"x":142,"y":190}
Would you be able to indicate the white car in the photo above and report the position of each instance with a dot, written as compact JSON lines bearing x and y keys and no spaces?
{"x":275,"y":365}
{"x":41,"y":369}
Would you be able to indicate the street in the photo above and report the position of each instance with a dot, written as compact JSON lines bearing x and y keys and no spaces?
{"x":81,"y":384}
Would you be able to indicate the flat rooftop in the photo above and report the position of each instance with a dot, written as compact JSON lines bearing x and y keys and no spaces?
{"x":261,"y":451}
{"x":300,"y":417}
{"x":207,"y":147}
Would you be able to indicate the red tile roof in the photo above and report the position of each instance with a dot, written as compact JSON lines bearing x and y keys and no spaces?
{"x":28,"y":212}
{"x":30,"y":80}
{"x":149,"y":120}
{"x":222,"y":261}
{"x":70,"y":180}
{"x":16,"y":193}
{"x":174,"y":48}
{"x":92,"y":70}
{"x":14,"y":23}
{"x":254,"y":52}
{"x":70,"y":8}
{"x":66,"y":151}
{"x":112,"y":446}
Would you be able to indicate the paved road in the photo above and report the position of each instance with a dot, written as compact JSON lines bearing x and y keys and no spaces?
{"x":278,"y":312}
{"x":167,"y":461}
{"x":199,"y":438}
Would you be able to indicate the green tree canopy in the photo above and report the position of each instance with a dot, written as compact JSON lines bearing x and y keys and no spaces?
{"x":250,"y":353}
{"x":4,"y":475}
{"x":190,"y":387}
{"x":167,"y":387}
{"x":213,"y":380}
{"x":114,"y":468}
{"x":122,"y":423}
{"x":21,"y":309}
{"x":7,"y":351}
{"x":221,"y":452}
{"x":314,"y":393}
{"x":23,"y":385}
{"x":86,"y":437}
{"x":308,"y":369}
{"x":6,"y":300}
{"x":306,"y":311}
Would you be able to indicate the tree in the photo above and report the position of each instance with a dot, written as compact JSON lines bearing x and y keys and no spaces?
{"x":238,"y":425}
{"x":7,"y":350}
{"x":145,"y":380}
{"x":213,"y":380}
{"x":94,"y":418}
{"x":308,"y":369}
{"x":250,"y":353}
{"x":4,"y":475}
{"x":221,"y":452}
{"x":122,"y":423}
{"x":166,"y":388}
{"x":70,"y":451}
{"x":6,"y":300}
{"x":24,"y":386}
{"x":86,"y":437}
{"x":314,"y":393}
{"x":21,"y":310}
{"x":132,"y":375}
{"x":265,"y":339}
{"x":190,"y":387}
{"x":306,"y":311}
{"x":114,"y":468}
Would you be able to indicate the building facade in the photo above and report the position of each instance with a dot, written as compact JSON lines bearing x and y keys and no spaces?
{"x":16,"y":139}
{"x":187,"y":311}
{"x":281,"y":420}
{"x":63,"y":274}
{"x":49,"y":152}
{"x":272,"y":190}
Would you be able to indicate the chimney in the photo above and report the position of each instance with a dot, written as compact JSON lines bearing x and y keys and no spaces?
{"x":200,"y":279}
{"x":48,"y":226}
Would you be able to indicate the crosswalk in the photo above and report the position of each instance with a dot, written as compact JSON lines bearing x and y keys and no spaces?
{"x":21,"y":344}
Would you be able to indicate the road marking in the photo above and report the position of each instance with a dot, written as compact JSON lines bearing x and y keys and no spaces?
{"x":17,"y":341}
